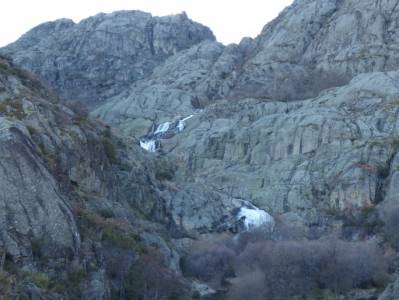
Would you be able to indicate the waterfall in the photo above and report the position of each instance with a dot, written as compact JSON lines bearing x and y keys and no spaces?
{"x":151,"y":142}
{"x":162,"y":128}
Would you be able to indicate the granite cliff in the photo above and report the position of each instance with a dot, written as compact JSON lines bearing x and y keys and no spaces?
{"x":101,"y":55}
{"x":295,"y":131}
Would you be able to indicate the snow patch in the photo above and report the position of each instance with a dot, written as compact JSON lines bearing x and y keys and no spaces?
{"x":254,"y":217}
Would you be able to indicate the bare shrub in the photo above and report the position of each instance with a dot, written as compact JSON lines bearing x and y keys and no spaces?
{"x":211,"y":260}
{"x":391,"y":224}
{"x":249,"y":285}
{"x":299,"y":267}
{"x":7,"y":283}
{"x":81,"y":112}
{"x":150,"y":279}
{"x":279,"y":269}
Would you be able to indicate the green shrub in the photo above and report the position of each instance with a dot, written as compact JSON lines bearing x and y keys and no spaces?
{"x":6,"y":69}
{"x":13,"y":108}
{"x":121,"y":239}
{"x":7,"y":282}
{"x":110,"y":151}
{"x":106,"y":213}
{"x":40,"y":279}
{"x":31,"y":130}
{"x":107,"y":132}
{"x":75,"y":279}
{"x":36,"y":245}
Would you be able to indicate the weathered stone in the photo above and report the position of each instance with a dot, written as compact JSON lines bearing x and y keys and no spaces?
{"x":101,"y":55}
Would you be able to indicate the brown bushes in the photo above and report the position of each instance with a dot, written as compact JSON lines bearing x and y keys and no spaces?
{"x":391,"y":224}
{"x":273,"y":269}
{"x":299,"y":267}
{"x":210,"y":262}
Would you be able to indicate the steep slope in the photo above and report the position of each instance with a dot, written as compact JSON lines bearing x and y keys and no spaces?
{"x":100,"y":56}
{"x":317,"y":44}
{"x":311,"y":46}
{"x":334,"y":153}
{"x":86,"y":213}
{"x":71,"y":192}
{"x":187,"y":81}
{"x":231,"y":129}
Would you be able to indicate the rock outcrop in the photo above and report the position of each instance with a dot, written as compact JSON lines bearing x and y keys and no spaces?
{"x":300,"y":122}
{"x":332,"y":153}
{"x":311,"y":46}
{"x":79,"y":200}
{"x":102,"y":55}
{"x":62,"y":176}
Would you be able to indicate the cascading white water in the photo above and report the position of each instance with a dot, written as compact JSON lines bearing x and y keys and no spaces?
{"x":162,"y":128}
{"x":151,"y":141}
{"x":149,"y":145}
{"x":181,"y":125}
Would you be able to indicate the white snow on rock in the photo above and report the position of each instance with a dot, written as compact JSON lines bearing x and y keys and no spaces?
{"x":254,"y":217}
{"x":149,"y":145}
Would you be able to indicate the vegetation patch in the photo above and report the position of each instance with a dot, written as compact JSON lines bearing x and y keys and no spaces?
{"x":40,"y":279}
{"x":364,"y":223}
{"x":7,"y":283}
{"x":110,"y":151}
{"x":262,"y":268}
{"x":6,"y":69}
{"x":123,"y":240}
{"x":12,"y":108}
{"x":106,"y":213}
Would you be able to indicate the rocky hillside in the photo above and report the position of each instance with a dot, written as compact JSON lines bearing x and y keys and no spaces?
{"x":75,"y":197}
{"x":311,"y":46}
{"x":269,"y":168}
{"x":81,"y":205}
{"x":100,"y":56}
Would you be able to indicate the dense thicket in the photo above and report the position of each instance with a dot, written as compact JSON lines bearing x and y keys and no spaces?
{"x":278,"y":269}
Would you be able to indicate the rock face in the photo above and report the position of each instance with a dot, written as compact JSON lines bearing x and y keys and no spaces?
{"x":63,"y":175}
{"x":332,"y":153}
{"x":391,"y":292}
{"x":102,"y":55}
{"x":186,"y":82}
{"x":311,"y":46}
{"x":79,"y":200}
{"x":32,"y":206}
{"x":299,"y":123}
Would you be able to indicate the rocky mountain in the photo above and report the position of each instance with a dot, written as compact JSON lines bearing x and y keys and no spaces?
{"x":66,"y":180}
{"x":101,"y":55}
{"x":269,"y":168}
{"x":311,"y":46}
{"x":79,"y":201}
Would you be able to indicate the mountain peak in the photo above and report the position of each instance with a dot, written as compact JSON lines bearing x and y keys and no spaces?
{"x":82,"y":61}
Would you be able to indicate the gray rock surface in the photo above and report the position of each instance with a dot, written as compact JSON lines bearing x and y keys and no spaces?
{"x":331,"y":153}
{"x":61,"y":176}
{"x":301,"y":121}
{"x":187,"y":81}
{"x":311,"y":46}
{"x":101,"y":55}
{"x":391,"y":292}
{"x":32,"y":206}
